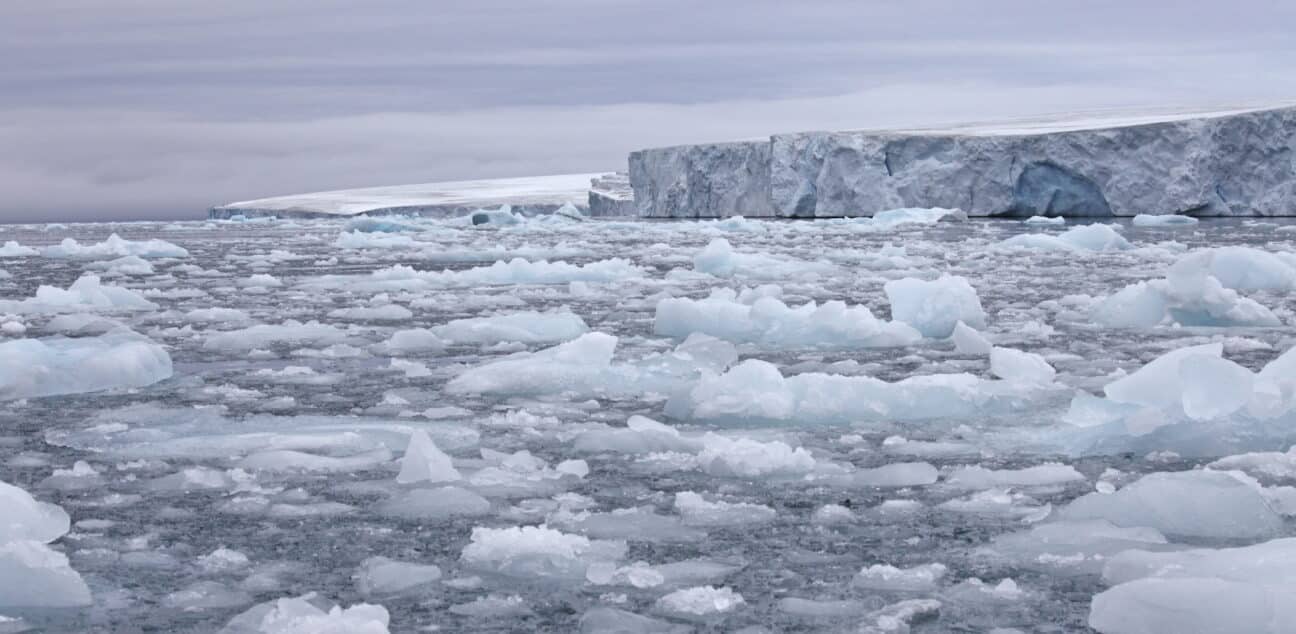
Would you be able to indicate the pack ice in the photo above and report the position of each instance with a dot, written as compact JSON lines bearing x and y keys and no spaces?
{"x":496,"y":421}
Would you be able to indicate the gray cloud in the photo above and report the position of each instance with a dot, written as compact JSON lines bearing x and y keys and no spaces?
{"x":142,"y":109}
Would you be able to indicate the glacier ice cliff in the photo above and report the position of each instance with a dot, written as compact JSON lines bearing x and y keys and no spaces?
{"x":1232,"y":163}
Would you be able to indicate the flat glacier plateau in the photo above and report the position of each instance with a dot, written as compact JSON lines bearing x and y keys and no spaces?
{"x":533,"y":194}
{"x":906,"y":423}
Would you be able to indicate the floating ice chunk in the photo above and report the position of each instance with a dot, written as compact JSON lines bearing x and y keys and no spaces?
{"x":638,"y":575}
{"x":492,"y":607}
{"x":223,"y":560}
{"x":605,"y":620}
{"x":526,"y":327}
{"x":1045,"y":220}
{"x":1203,"y":605}
{"x":287,"y":460}
{"x":361,"y":240}
{"x":301,"y":616}
{"x":632,"y":524}
{"x":975,"y":590}
{"x":537,"y":552}
{"x":920,"y":578}
{"x":26,"y":519}
{"x":900,"y":446}
{"x":1237,"y":268}
{"x":434,"y":504}
{"x":822,"y":609}
{"x":830,"y":514}
{"x":896,"y":474}
{"x":206,"y":595}
{"x":115,"y":246}
{"x":1072,"y":547}
{"x":1002,"y":501}
{"x":1281,"y":370}
{"x":584,"y":367}
{"x":411,"y":369}
{"x":1214,"y":387}
{"x":691,"y":572}
{"x":216,"y":315}
{"x":697,"y":511}
{"x":1094,"y":237}
{"x":386,"y":312}
{"x":897,"y":617}
{"x":751,"y":389}
{"x":968,"y":341}
{"x":1163,"y":220}
{"x":1208,"y":504}
{"x":1267,"y":563}
{"x":747,"y":458}
{"x":1265,"y":464}
{"x":1040,"y":475}
{"x":87,"y":293}
{"x":895,"y":218}
{"x":369,"y":224}
{"x":515,"y":271}
{"x":47,"y":367}
{"x":766,"y":320}
{"x":756,"y":390}
{"x":578,"y":468}
{"x":572,"y":365}
{"x":12,"y":249}
{"x":701,"y":601}
{"x":641,"y":435}
{"x":32,"y":575}
{"x":382,"y":576}
{"x":721,"y":260}
{"x":413,"y":340}
{"x":935,"y":307}
{"x":80,"y":477}
{"x":127,"y":265}
{"x":264,"y":335}
{"x":425,"y":462}
{"x":1200,"y":289}
{"x":1159,"y":382}
{"x":1018,"y":366}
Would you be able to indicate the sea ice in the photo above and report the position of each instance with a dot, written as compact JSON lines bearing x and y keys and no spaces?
{"x":1163,"y":220}
{"x":920,"y":578}
{"x":701,"y":601}
{"x":1094,"y":237}
{"x":935,"y":307}
{"x":537,"y":552}
{"x":114,"y":247}
{"x":47,"y":367}
{"x":301,"y":615}
{"x":760,"y":317}
{"x":755,"y":390}
{"x":382,"y":576}
{"x":526,"y":327}
{"x":1018,"y":366}
{"x":425,"y":462}
{"x":1202,"y":504}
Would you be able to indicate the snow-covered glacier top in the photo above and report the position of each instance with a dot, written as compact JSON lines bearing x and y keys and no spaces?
{"x":1100,"y":119}
{"x":530,"y":191}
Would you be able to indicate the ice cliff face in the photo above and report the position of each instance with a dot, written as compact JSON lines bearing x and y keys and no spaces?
{"x":1223,"y":164}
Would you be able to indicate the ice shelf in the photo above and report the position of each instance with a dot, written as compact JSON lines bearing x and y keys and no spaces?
{"x":1232,"y":162}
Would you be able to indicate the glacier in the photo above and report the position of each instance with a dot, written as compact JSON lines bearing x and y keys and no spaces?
{"x":1234,"y":162}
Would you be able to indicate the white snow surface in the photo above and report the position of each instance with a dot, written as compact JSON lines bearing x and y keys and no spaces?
{"x":558,"y":189}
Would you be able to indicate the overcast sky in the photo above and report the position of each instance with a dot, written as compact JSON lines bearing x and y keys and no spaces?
{"x":133,"y":109}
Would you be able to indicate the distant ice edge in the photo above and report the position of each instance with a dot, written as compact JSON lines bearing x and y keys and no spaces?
{"x":1238,"y":163}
